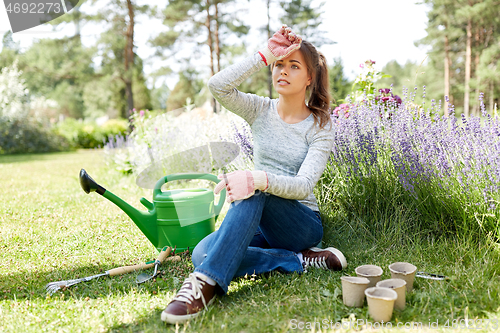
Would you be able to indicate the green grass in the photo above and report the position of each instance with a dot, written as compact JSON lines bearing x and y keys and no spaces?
{"x":51,"y":230}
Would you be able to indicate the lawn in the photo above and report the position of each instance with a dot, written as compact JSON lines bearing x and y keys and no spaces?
{"x":52,"y":230}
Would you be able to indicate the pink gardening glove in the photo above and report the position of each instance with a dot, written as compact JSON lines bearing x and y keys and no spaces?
{"x":241,"y":184}
{"x":280,"y":45}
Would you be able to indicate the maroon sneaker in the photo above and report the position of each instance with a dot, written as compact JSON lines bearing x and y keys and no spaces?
{"x":329,"y":258}
{"x":194,"y":296}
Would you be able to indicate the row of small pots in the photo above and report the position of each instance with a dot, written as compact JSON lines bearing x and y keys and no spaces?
{"x":382,"y":296}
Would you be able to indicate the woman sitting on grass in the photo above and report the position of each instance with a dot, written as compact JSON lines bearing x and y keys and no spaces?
{"x":273,"y":222}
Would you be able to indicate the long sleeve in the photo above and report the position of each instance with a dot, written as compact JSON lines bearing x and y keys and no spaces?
{"x":302,"y":185}
{"x":223,"y":87}
{"x":294,"y":156}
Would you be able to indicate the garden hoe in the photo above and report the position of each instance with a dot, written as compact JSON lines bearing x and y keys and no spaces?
{"x":143,"y":277}
{"x":52,"y":287}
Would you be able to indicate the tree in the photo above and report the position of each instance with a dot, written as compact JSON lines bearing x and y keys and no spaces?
{"x":442,"y":34}
{"x":185,"y":90}
{"x":10,"y":50}
{"x":409,"y":79}
{"x":119,"y":61}
{"x":8,"y":42}
{"x":58,"y":69}
{"x":129,"y":55}
{"x":460,"y":32}
{"x":201,"y":26}
{"x":339,"y":84}
{"x":305,"y":19}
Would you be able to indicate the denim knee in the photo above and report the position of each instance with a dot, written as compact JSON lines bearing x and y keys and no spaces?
{"x":199,"y":253}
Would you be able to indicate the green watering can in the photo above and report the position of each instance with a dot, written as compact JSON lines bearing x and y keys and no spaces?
{"x":180,"y":218}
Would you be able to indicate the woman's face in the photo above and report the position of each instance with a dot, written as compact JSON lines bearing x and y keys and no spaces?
{"x":290,"y":75}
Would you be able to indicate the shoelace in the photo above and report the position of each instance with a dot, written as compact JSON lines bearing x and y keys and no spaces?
{"x":318,"y":262}
{"x":189,"y":293}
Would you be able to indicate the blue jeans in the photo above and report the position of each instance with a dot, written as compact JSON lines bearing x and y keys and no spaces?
{"x":259,"y":234}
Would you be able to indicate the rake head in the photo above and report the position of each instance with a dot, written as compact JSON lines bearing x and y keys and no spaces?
{"x":52,"y":287}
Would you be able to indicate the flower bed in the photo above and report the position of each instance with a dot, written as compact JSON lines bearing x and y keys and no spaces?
{"x":446,"y":171}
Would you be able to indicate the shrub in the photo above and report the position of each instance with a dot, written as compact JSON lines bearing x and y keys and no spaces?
{"x":86,"y":134}
{"x":13,"y":94}
{"x":28,"y":136}
{"x":18,"y":133}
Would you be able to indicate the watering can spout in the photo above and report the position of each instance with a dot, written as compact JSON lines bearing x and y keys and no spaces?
{"x":146,"y":221}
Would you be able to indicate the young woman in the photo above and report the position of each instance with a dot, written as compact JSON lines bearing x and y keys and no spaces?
{"x":273,"y":222}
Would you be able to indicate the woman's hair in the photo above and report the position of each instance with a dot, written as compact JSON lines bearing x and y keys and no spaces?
{"x":319,"y":89}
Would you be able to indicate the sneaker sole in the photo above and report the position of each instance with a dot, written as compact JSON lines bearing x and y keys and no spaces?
{"x":336,"y":252}
{"x":174,"y":319}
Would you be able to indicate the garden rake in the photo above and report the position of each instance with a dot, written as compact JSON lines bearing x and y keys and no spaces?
{"x":52,"y":287}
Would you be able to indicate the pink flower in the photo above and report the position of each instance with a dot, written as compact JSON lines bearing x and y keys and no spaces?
{"x":361,"y":65}
{"x":141,"y":113}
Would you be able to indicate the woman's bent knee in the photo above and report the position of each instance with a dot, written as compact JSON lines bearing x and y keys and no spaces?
{"x":200,"y":251}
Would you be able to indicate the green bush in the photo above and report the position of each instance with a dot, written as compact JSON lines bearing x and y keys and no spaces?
{"x":85,"y":134}
{"x":28,"y":136}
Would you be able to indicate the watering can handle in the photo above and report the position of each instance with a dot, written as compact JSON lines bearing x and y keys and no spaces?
{"x":179,"y":176}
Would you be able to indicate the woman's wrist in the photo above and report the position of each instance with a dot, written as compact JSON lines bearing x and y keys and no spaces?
{"x":267,"y":56}
{"x":260,"y":180}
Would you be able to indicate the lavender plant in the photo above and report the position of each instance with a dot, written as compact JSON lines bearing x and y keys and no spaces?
{"x":243,"y":138}
{"x":445,"y":172}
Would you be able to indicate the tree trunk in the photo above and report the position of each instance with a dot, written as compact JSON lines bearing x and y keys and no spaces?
{"x":446,"y":73}
{"x":211,"y":47}
{"x":468,"y":63}
{"x":77,"y":24}
{"x":476,"y":109}
{"x":217,"y":41}
{"x":217,"y":45}
{"x":129,"y":57}
{"x":269,"y":72}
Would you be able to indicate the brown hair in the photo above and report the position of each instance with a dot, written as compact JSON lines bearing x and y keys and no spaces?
{"x":319,"y":89}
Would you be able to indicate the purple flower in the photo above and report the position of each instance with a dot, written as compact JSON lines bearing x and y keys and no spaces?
{"x":441,"y":163}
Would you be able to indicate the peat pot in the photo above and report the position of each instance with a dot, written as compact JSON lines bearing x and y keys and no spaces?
{"x":399,"y":286}
{"x":404,"y":271}
{"x":380,"y":303}
{"x":353,"y":290}
{"x":371,"y":272}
